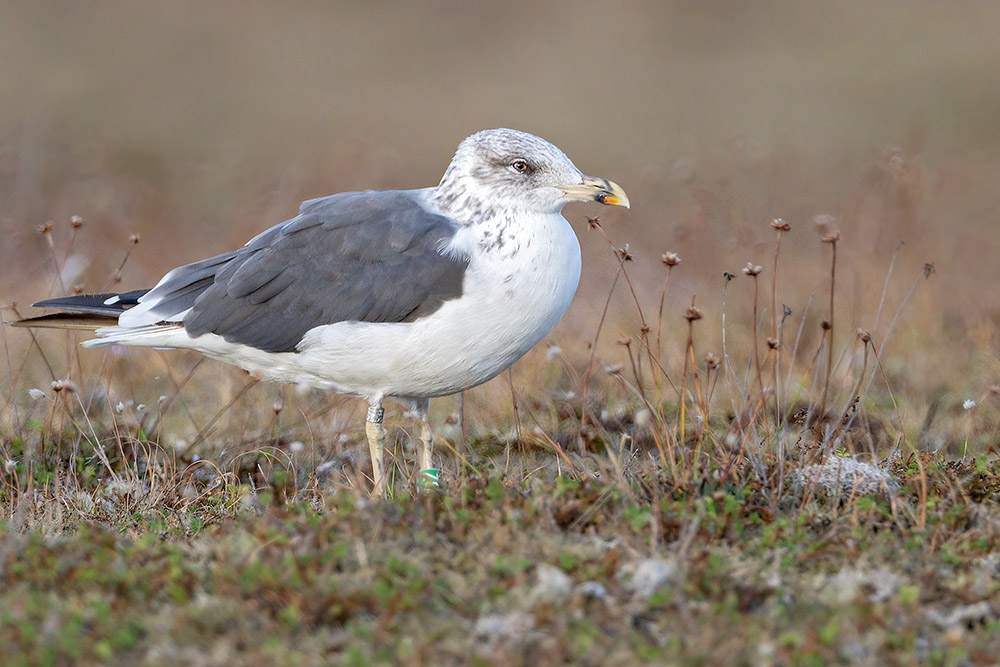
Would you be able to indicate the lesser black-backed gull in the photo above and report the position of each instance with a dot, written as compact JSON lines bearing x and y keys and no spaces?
{"x":407,"y":294}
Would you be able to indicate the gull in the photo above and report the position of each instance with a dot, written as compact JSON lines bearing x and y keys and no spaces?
{"x":402,"y":294}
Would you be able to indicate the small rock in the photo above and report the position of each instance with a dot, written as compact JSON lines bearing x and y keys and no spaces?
{"x":551,"y":584}
{"x":651,"y":575}
{"x":593,"y":590}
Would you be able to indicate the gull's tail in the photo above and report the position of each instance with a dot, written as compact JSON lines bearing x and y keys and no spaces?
{"x":86,"y":312}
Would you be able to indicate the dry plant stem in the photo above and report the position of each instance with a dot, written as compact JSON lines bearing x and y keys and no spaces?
{"x":590,"y":361}
{"x":659,"y":316}
{"x":702,"y":405}
{"x":829,"y":349}
{"x":885,"y":286}
{"x":756,"y":344}
{"x":655,"y":432}
{"x":925,"y":274}
{"x":756,"y":357}
{"x":117,"y":275}
{"x":776,"y":335}
{"x":623,"y":256}
{"x":730,"y":370}
{"x":461,"y":438}
{"x":203,"y":433}
{"x":688,"y":364}
{"x":517,"y":423}
{"x":37,"y":346}
{"x":465,"y":463}
{"x":795,"y":346}
{"x":812,"y":371}
{"x":170,"y":399}
{"x":13,"y":380}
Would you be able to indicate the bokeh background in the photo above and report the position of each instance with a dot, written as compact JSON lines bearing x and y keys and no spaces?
{"x":196,"y":125}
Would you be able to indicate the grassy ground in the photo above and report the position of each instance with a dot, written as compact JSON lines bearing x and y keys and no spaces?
{"x":780,"y":447}
{"x":730,"y":510}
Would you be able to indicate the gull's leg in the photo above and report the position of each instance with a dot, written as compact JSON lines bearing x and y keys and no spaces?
{"x":428,"y":475}
{"x":376,"y":444}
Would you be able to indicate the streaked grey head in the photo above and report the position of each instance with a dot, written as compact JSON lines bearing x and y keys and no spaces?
{"x":505,"y":170}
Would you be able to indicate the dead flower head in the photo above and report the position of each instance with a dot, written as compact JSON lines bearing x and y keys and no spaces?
{"x":670,"y":258}
{"x":752,"y":269}
{"x":692,"y":313}
{"x":60,"y":385}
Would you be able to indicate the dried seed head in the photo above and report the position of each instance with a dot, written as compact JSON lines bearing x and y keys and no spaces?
{"x":864,"y":336}
{"x":624,"y":254}
{"x":277,"y":407}
{"x":78,"y":288}
{"x":670,"y":258}
{"x":593,"y":223}
{"x":36,"y":394}
{"x":825,"y":325}
{"x":752,"y":269}
{"x":625,"y":340}
{"x":780,"y":225}
{"x":711,"y":361}
{"x":134,"y":239}
{"x":832,"y":238}
{"x":692,"y":313}
{"x":9,"y":466}
{"x":613,"y":369}
{"x":59,"y":385}
{"x":928,"y":270}
{"x":772,"y":343}
{"x":729,"y":276}
{"x":44,"y":229}
{"x":968,"y":404}
{"x":76,"y":221}
{"x":644,"y":329}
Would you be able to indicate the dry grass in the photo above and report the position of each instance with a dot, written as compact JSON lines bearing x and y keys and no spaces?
{"x":778,"y":446}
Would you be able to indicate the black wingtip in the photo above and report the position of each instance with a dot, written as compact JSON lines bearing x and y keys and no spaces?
{"x":95,"y":304}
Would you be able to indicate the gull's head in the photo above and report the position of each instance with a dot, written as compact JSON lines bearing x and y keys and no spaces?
{"x":496,"y":170}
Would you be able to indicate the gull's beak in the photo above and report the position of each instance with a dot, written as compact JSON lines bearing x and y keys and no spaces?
{"x":600,"y":190}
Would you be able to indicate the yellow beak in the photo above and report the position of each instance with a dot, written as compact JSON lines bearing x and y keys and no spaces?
{"x":600,"y":190}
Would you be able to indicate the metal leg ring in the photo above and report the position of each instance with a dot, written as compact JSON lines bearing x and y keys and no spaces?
{"x":375,"y":414}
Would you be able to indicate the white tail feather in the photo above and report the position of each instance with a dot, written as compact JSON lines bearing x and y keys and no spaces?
{"x":152,"y":335}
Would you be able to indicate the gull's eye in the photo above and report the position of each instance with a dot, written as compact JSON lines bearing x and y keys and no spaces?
{"x":520,"y":166}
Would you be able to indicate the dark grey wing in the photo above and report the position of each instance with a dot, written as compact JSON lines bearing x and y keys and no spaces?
{"x":363,"y":256}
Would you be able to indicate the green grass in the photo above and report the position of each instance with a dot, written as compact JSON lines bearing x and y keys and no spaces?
{"x":505,"y":571}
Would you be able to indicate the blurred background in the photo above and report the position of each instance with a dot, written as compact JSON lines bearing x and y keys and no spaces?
{"x":197,"y":125}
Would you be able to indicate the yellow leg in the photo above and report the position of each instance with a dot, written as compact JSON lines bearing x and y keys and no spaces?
{"x":376,"y":444}
{"x":426,"y":444}
{"x":428,"y":475}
